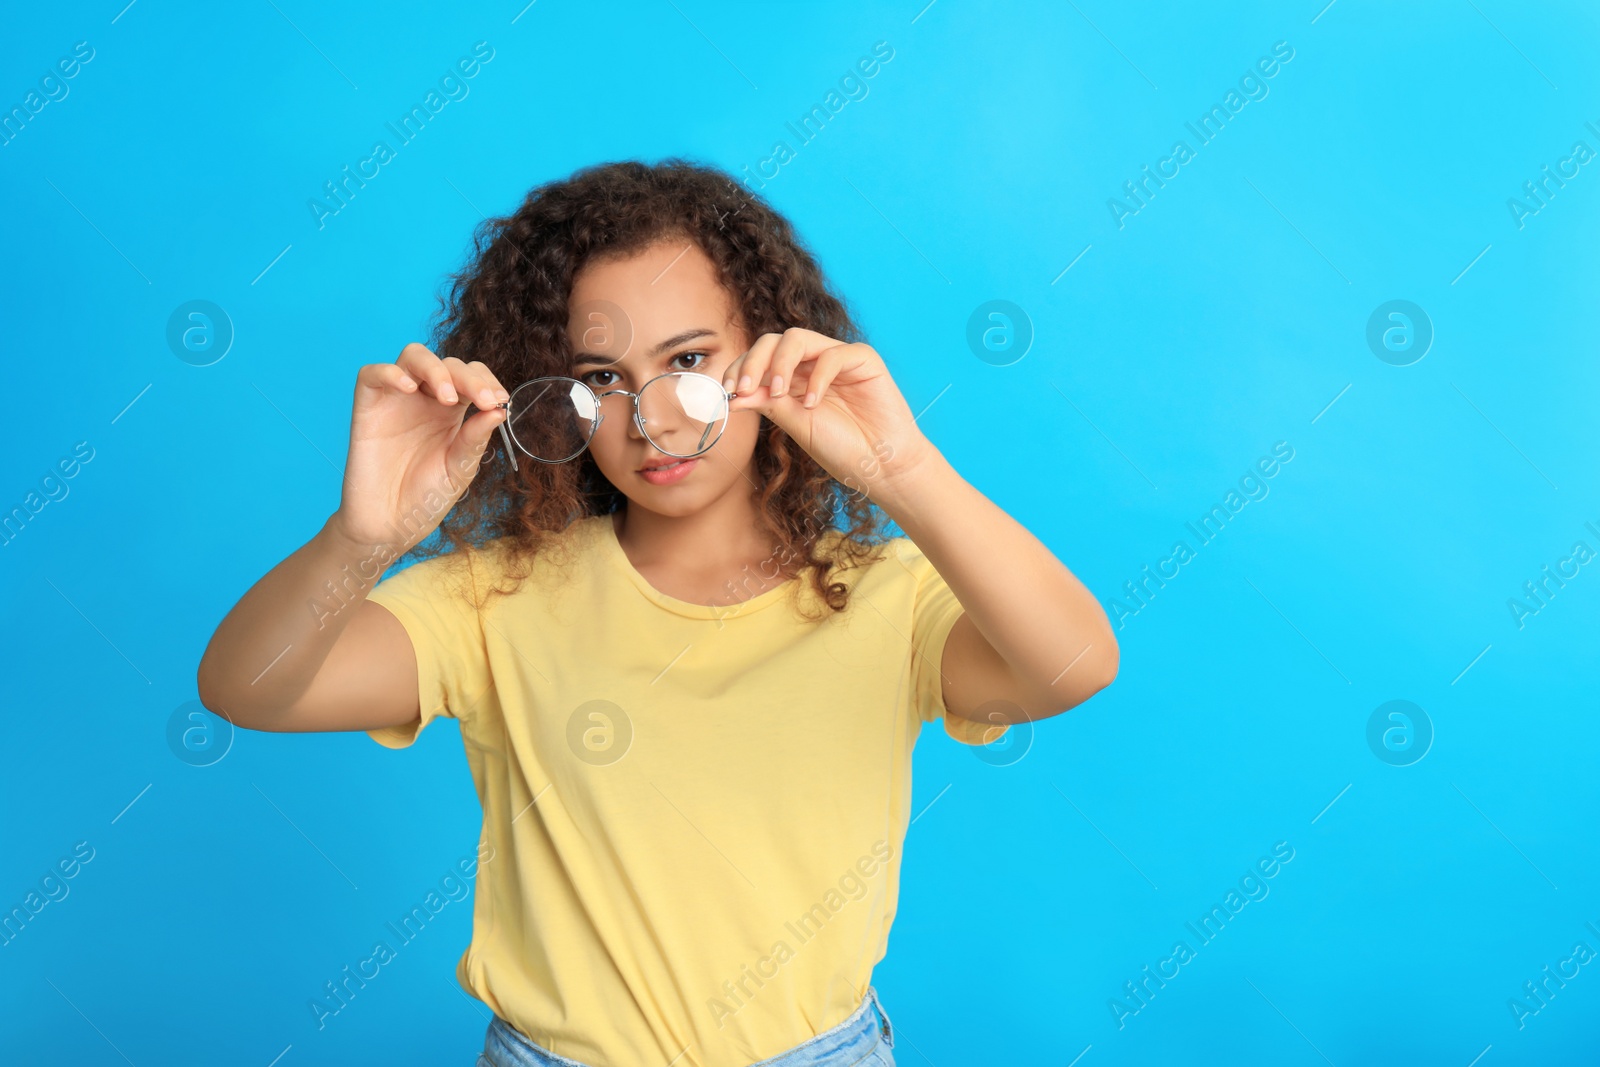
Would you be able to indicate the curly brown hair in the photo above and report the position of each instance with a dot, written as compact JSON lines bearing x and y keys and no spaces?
{"x":508,"y":309}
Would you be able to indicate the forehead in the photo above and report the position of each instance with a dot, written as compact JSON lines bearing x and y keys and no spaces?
{"x":623,"y":304}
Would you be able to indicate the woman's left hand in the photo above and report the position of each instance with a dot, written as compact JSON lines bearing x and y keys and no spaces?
{"x":836,"y":399}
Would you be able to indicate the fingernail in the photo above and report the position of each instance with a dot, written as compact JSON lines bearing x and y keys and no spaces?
{"x":811,"y":399}
{"x":744,"y":383}
{"x":448,"y":394}
{"x":777,"y":385}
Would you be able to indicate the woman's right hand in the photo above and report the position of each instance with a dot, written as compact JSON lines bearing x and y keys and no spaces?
{"x":412,"y":455}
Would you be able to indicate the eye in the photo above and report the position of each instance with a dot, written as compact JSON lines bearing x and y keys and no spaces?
{"x":699,"y":357}
{"x":588,"y":379}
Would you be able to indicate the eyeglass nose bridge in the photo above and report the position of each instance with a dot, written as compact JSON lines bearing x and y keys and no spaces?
{"x":638,"y":419}
{"x":638,"y":416}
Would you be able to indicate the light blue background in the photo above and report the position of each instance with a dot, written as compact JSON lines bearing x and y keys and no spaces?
{"x":1224,"y":317}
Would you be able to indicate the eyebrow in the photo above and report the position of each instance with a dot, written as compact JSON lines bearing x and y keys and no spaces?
{"x":670,"y":343}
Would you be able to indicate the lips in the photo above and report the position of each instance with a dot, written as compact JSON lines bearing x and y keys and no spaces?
{"x":656,"y":465}
{"x":670,"y":472}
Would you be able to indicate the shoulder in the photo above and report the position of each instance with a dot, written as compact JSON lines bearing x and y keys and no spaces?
{"x":892,"y":554}
{"x":913,"y":571}
{"x":501,"y":563}
{"x":909,"y":557}
{"x":893,"y":563}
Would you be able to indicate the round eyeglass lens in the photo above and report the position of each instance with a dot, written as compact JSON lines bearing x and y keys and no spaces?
{"x":683,"y":413}
{"x":552,"y":419}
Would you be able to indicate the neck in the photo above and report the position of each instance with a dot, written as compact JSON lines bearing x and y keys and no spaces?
{"x":720,"y":545}
{"x":725,"y":530}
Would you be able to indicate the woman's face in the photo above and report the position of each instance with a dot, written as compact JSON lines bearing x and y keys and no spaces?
{"x":630,"y":319}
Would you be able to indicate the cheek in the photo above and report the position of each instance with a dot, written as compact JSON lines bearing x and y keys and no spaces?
{"x":608,"y":446}
{"x":734,"y":449}
{"x":739,"y":439}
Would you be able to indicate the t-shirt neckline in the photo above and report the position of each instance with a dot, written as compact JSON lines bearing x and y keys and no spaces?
{"x":613,"y":548}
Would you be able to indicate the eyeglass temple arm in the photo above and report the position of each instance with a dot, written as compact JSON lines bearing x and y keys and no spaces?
{"x":505,"y":435}
{"x":707,"y":431}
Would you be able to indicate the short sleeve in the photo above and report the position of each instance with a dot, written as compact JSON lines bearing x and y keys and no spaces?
{"x":434,"y":601}
{"x":933,"y":616}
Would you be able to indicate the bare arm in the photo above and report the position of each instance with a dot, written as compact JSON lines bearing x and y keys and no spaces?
{"x":1032,"y":634}
{"x":294,"y":655}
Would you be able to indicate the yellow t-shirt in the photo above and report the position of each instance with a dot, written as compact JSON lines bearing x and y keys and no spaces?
{"x":692,"y":814}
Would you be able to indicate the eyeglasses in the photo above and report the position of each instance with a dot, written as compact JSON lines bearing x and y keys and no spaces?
{"x":553,"y":419}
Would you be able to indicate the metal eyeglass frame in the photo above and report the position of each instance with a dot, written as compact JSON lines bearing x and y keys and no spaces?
{"x":512,"y":447}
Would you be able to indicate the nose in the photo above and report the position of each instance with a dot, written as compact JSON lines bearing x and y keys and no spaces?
{"x":635,"y":420}
{"x":661,"y":417}
{"x":618,"y":409}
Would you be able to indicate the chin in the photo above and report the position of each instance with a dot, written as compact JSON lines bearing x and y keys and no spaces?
{"x":680,"y":508}
{"x":672,"y":500}
{"x":673,"y":505}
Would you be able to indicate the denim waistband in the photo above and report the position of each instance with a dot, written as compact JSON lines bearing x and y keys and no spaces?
{"x":840,"y":1046}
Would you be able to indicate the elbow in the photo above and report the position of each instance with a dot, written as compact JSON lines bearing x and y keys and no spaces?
{"x":1106,"y":657}
{"x":204,"y":686}
{"x":1095,"y":675}
{"x":218,"y":702}
{"x":1109,"y":663}
{"x":210,"y":698}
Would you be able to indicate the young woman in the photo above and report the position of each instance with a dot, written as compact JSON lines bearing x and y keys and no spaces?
{"x":687,"y":661}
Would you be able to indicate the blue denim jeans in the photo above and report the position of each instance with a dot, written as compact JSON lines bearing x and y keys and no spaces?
{"x":863,"y":1040}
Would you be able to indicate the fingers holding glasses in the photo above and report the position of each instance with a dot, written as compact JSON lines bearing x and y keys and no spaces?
{"x":791,"y":359}
{"x":385,"y":376}
{"x":780,"y":358}
{"x":486,"y":388}
{"x":429,"y":372}
{"x":744,"y":375}
{"x":475,"y":383}
{"x":824,"y":370}
{"x":473,"y":440}
{"x":449,"y":380}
